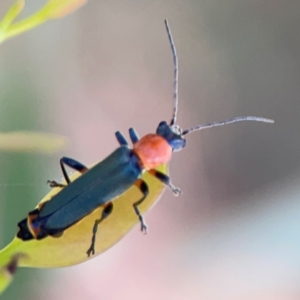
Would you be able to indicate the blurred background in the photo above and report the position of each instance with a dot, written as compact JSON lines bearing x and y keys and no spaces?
{"x":235,"y":231}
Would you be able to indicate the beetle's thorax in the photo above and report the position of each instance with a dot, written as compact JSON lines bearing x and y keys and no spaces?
{"x":153,"y":150}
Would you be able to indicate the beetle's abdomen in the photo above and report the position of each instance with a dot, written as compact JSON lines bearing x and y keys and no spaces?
{"x":30,"y":229}
{"x":24,"y":232}
{"x":153,"y":151}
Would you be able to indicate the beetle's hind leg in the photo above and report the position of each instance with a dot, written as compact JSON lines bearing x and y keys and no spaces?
{"x":143,"y":187}
{"x":72,"y":163}
{"x":107,"y":210}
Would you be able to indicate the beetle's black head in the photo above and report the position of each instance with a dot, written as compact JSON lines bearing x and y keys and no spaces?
{"x":172,"y":134}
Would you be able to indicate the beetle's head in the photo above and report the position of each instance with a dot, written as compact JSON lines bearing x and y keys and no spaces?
{"x":172,"y":134}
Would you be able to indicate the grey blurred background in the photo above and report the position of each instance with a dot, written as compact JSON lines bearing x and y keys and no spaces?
{"x":234,"y":233}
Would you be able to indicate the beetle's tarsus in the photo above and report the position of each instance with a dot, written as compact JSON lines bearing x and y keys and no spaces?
{"x":143,"y":225}
{"x":53,"y":184}
{"x":91,"y":250}
{"x":144,"y":229}
{"x":175,"y":190}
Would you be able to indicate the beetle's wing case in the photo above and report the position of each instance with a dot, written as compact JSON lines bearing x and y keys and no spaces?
{"x":101,"y":184}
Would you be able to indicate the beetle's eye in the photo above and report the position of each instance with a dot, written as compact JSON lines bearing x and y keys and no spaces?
{"x":178,"y":144}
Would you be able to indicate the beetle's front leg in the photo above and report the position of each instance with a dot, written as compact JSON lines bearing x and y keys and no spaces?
{"x":166,"y":180}
{"x":107,"y":210}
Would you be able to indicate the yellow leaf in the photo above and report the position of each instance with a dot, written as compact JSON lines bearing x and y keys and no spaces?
{"x":5,"y":279}
{"x":71,"y":247}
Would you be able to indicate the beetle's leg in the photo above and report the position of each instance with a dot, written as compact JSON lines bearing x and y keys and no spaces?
{"x":72,"y":163}
{"x":53,"y":184}
{"x":107,"y":210}
{"x":133,"y":135}
{"x":166,"y":180}
{"x":143,"y":187}
{"x":121,"y":139}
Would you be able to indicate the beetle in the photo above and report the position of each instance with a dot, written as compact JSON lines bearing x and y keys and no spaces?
{"x":104,"y":182}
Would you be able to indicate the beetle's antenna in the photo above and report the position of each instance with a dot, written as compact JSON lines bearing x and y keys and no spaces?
{"x":173,"y":120}
{"x":225,"y":122}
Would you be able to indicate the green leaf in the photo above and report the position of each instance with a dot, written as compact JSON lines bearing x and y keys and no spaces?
{"x":30,"y":141}
{"x":52,"y":9}
{"x":7,"y":272}
{"x":60,"y":8}
{"x":14,"y":11}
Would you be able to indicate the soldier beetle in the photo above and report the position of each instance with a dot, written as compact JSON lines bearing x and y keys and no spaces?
{"x":100,"y":185}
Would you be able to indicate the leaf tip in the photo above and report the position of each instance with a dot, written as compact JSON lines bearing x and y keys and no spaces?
{"x":58,"y":8}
